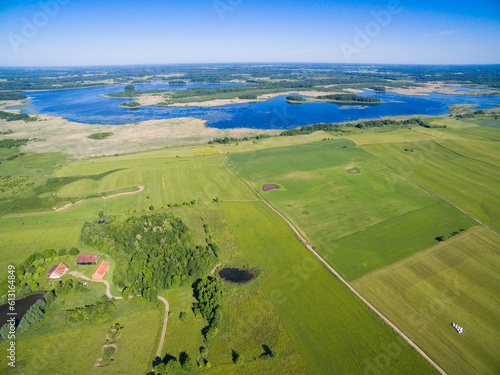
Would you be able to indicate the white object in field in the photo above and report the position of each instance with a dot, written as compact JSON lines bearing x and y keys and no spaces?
{"x":458,"y":328}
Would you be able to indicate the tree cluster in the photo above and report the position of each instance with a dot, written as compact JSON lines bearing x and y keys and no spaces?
{"x":295,"y":98}
{"x":99,"y":311}
{"x":11,"y":142}
{"x":349,"y":98}
{"x":11,"y":96}
{"x":151,"y":251}
{"x":101,"y":135}
{"x":16,"y":116}
{"x":208,"y":293}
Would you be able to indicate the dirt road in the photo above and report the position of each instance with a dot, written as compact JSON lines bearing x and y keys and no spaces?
{"x":111,"y":296}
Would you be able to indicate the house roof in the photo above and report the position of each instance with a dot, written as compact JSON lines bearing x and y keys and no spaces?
{"x":57,"y":271}
{"x":52,"y":269}
{"x":87,"y":258}
{"x":100,"y":270}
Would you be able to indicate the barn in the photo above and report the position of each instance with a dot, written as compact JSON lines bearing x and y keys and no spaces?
{"x":100,"y":271}
{"x":57,"y":271}
{"x":86,"y":259}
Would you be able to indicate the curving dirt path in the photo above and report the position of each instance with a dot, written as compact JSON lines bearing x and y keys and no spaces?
{"x":69,"y":205}
{"x":111,"y":296}
{"x":332,"y":270}
{"x":164,"y":330}
{"x":105,"y":282}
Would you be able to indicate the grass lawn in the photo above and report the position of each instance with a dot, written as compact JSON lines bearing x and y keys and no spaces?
{"x":454,"y":281}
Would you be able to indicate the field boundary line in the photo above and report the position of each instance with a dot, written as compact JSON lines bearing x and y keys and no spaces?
{"x":436,"y":139}
{"x":432,"y":193}
{"x":336,"y":274}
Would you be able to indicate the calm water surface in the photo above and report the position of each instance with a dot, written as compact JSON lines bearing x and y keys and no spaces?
{"x":88,"y":106}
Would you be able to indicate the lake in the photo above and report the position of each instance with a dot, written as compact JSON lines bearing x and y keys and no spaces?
{"x":86,"y":105}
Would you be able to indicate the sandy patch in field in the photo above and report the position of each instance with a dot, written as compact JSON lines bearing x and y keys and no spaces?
{"x":55,"y":134}
{"x":146,"y":100}
{"x":354,"y":91}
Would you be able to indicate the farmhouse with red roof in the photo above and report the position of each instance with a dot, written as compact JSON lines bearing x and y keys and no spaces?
{"x":100,"y":271}
{"x":57,"y":271}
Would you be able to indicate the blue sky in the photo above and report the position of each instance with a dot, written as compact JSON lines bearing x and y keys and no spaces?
{"x":119,"y":32}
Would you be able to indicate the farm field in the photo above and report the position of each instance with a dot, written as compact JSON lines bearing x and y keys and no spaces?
{"x":356,"y":212}
{"x":328,"y":324}
{"x":451,"y":175}
{"x":454,"y":281}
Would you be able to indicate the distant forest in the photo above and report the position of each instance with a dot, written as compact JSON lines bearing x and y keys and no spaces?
{"x":269,"y":75}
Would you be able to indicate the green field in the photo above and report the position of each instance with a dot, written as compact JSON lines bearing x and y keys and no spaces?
{"x":489,"y":123}
{"x":331,"y":328}
{"x":357,"y":221}
{"x":467,"y":182}
{"x":455,"y":281}
{"x":366,"y":220}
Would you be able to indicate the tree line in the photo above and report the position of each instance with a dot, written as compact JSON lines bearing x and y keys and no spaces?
{"x":349,"y":98}
{"x":336,"y":127}
{"x":226,"y":140}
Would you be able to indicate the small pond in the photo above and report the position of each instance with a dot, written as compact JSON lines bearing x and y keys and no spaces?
{"x":236,"y":275}
{"x":22,"y":306}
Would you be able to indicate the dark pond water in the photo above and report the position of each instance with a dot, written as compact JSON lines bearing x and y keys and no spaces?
{"x":22,"y":306}
{"x":87,"y":106}
{"x":236,"y":275}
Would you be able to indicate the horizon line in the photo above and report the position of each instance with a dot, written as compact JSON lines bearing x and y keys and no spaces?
{"x":241,"y":63}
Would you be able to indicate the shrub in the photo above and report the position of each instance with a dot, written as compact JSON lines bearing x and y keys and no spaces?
{"x":74,"y":251}
{"x":100,"y":136}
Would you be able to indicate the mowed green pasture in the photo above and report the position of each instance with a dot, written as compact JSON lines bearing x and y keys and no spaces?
{"x":21,"y":240}
{"x":202,"y":179}
{"x":333,"y":331}
{"x":481,"y":133}
{"x":492,"y":123}
{"x":358,"y":221}
{"x":394,"y":239}
{"x":469,"y":183}
{"x":319,"y":192}
{"x":456,"y":281}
